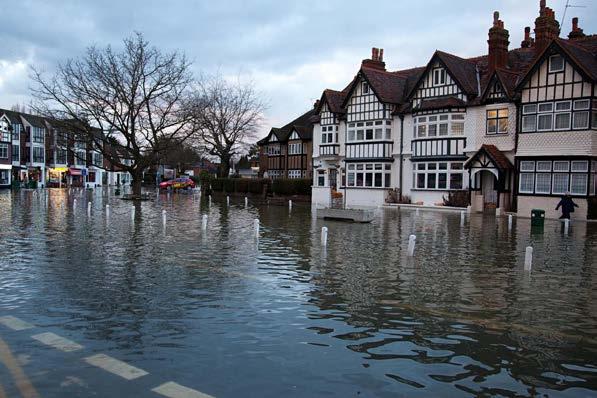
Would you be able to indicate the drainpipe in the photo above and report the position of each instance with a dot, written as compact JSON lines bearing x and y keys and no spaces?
{"x":401,"y":153}
{"x":345,"y":165}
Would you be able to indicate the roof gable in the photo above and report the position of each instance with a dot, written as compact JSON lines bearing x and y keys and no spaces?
{"x":462,"y":71}
{"x":580,"y":58}
{"x":489,"y":155}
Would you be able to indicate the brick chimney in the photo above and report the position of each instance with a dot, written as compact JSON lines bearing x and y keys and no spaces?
{"x":546,"y":27}
{"x":576,"y":32}
{"x":498,"y":43}
{"x":376,"y":61}
{"x":528,"y":40}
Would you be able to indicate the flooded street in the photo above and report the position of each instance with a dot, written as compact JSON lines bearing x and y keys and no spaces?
{"x":220,"y":312}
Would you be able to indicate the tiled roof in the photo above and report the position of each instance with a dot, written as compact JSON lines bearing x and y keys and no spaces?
{"x":497,"y":157}
{"x":581,"y":55}
{"x":390,"y":87}
{"x":12,"y":116}
{"x":463,"y":70}
{"x":302,"y":124}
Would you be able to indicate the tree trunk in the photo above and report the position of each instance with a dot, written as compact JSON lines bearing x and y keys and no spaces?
{"x":137,"y":179}
{"x":224,"y":167}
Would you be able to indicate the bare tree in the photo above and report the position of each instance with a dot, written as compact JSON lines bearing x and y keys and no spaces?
{"x":129,"y":104}
{"x":228,"y":116}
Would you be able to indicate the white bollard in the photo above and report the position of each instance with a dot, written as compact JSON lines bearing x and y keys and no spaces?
{"x":227,"y":200}
{"x":528,"y":258}
{"x":290,"y":204}
{"x":412,"y":239}
{"x":204,"y":222}
{"x":510,"y":222}
{"x":324,"y":236}
{"x":417,"y":212}
{"x":256,"y":227}
{"x":88,"y":208}
{"x":566,"y":226}
{"x":462,"y":217}
{"x":107,"y":211}
{"x":133,"y":213}
{"x":209,"y":200}
{"x":75,"y":202}
{"x":246,"y":202}
{"x":164,"y":217}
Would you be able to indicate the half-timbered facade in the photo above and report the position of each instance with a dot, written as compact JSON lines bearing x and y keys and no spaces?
{"x":287,"y":152}
{"x":505,"y":131}
{"x":557,"y":143}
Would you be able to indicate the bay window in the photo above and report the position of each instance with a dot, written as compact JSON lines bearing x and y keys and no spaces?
{"x":3,"y":151}
{"x":438,"y":125}
{"x":38,"y":154}
{"x":438,"y":175}
{"x":554,"y":177}
{"x":377,"y":130}
{"x":16,"y":132}
{"x":555,"y":116}
{"x":16,"y":153}
{"x":369,"y":175}
{"x":38,"y":134}
{"x":329,"y":134}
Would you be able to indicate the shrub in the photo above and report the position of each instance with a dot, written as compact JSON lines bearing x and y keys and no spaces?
{"x":456,"y":199}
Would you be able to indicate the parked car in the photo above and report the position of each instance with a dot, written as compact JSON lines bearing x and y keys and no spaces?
{"x":178,"y":183}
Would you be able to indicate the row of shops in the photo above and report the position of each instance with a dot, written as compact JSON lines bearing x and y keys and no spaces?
{"x":59,"y":177}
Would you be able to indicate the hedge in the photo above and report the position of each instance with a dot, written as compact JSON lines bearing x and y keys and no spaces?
{"x":257,"y":186}
{"x":291,"y":186}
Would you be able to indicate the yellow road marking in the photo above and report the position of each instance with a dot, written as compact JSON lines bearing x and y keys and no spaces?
{"x":23,"y":384}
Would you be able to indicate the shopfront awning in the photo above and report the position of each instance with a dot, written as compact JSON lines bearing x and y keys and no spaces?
{"x":5,"y":166}
{"x":74,"y":172}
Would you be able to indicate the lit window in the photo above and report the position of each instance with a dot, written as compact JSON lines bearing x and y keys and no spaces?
{"x":497,"y":121}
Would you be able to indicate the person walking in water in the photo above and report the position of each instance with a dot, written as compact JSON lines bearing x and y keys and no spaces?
{"x":567,"y":205}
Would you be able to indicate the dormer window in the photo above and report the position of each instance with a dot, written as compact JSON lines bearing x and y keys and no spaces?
{"x":556,"y":63}
{"x":439,"y":77}
{"x":365,"y":88}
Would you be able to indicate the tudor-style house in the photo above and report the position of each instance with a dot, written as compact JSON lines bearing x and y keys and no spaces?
{"x":511,"y":130}
{"x":286,"y":152}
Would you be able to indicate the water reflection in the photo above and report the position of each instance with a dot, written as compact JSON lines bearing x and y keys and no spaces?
{"x":359,"y":316}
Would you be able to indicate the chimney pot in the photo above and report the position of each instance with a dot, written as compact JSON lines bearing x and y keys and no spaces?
{"x":576,"y":33}
{"x":380,"y":55}
{"x":496,"y":18}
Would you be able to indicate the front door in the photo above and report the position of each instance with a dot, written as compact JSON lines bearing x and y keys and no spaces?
{"x":488,"y":189}
{"x":333,"y":179}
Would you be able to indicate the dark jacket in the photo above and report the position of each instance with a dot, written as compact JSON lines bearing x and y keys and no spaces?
{"x":567,"y":205}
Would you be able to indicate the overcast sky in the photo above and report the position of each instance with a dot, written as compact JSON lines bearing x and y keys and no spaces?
{"x":292,"y":50}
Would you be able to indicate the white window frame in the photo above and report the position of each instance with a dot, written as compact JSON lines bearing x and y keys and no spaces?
{"x":439,"y":77}
{"x":550,"y":67}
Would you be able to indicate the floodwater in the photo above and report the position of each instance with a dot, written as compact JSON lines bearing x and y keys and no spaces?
{"x":223,"y":313}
